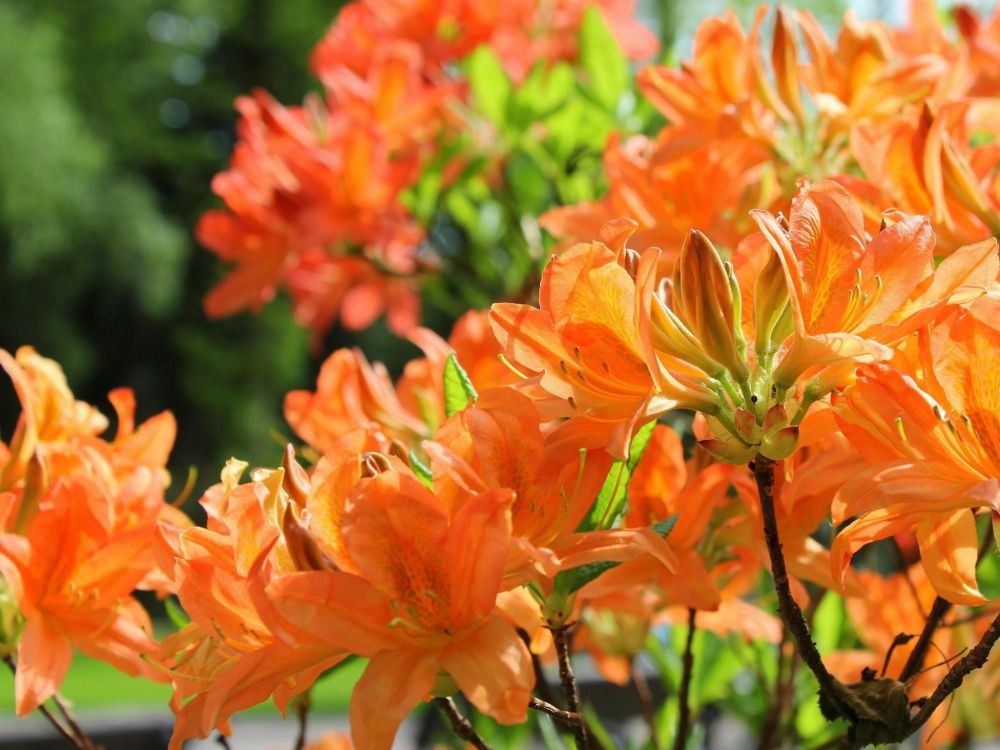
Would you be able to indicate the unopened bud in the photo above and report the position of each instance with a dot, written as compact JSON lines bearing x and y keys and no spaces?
{"x":780,"y":443}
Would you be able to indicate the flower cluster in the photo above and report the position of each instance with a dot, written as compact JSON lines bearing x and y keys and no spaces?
{"x":901,"y":117}
{"x":78,"y":516}
{"x":316,"y":194}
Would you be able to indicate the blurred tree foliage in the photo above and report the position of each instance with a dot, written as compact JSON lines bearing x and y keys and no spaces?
{"x":116,"y":114}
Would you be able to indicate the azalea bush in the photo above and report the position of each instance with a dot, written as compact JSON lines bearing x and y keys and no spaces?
{"x":720,"y":404}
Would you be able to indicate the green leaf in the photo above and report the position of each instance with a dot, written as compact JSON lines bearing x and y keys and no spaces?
{"x":490,"y":85}
{"x":175,"y":613}
{"x":458,"y":389}
{"x":602,"y":60}
{"x":574,"y":579}
{"x":422,"y":470}
{"x":663,"y":528}
{"x":610,"y":500}
{"x":639,"y":443}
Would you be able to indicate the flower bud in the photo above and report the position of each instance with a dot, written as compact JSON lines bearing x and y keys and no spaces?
{"x":780,"y":444}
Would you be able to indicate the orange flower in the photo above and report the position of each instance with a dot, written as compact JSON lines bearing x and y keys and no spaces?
{"x":522,"y":33}
{"x":584,"y":339}
{"x":664,"y":485}
{"x":715,"y":93}
{"x":228,"y":658}
{"x":295,"y":572}
{"x":72,"y":579}
{"x":499,"y":443}
{"x":933,"y":445}
{"x":77,"y":518}
{"x":669,"y":185}
{"x":867,"y":78}
{"x":850,"y":295}
{"x":983,"y":40}
{"x":304,"y":182}
{"x":926,"y":162}
{"x":415,"y":591}
{"x":352,"y":394}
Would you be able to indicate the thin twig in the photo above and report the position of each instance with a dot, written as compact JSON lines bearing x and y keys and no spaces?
{"x":901,"y":639}
{"x":972,"y":661}
{"x":918,"y":655}
{"x":645,"y":696}
{"x":542,"y":685}
{"x":791,"y":613}
{"x":683,"y":698}
{"x":460,"y":724}
{"x":567,"y":718}
{"x":63,"y":730}
{"x":73,"y":724}
{"x":560,"y":635}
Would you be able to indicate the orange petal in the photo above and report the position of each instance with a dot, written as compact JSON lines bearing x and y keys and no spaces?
{"x":392,"y":685}
{"x":43,"y":658}
{"x":493,"y":668}
{"x":948,"y":549}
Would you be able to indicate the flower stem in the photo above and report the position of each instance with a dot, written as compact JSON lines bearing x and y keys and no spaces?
{"x":460,"y":724}
{"x":302,"y":705}
{"x":560,"y":634}
{"x":791,"y":613}
{"x":683,"y":699}
{"x":645,"y":696}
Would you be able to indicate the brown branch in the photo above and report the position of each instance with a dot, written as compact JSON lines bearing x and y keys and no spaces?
{"x":542,"y":686}
{"x":645,"y":696}
{"x":567,"y":718}
{"x":74,"y":725}
{"x":918,"y":655}
{"x":683,"y":698}
{"x":460,"y":724}
{"x":791,"y":613}
{"x":972,"y":661}
{"x":560,"y":634}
